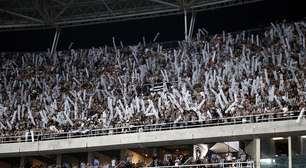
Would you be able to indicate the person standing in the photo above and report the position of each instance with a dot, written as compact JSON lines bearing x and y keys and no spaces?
{"x":96,"y":163}
{"x":113,"y":165}
{"x":82,"y":165}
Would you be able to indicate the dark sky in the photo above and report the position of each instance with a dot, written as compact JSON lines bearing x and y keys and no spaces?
{"x":170,"y":27}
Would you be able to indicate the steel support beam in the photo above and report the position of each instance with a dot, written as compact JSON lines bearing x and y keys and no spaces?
{"x":166,"y":3}
{"x":60,"y":2}
{"x":88,"y":17}
{"x":302,"y":145}
{"x":191,"y":26}
{"x":257,"y":152}
{"x":108,"y":8}
{"x":21,"y":15}
{"x":55,"y":41}
{"x":185,"y":24}
{"x":225,"y":3}
{"x":289,"y":152}
{"x":63,"y":10}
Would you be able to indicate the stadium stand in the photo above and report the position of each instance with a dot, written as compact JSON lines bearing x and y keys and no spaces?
{"x":228,"y":78}
{"x":226,"y":75}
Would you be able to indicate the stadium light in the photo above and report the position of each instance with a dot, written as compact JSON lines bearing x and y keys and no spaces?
{"x":277,"y":138}
{"x":267,"y":161}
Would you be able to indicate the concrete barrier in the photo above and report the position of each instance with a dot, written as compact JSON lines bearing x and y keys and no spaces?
{"x":158,"y":138}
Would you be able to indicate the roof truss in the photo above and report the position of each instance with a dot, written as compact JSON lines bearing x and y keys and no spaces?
{"x":40,"y":14}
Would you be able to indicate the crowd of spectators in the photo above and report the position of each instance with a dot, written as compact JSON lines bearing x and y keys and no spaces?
{"x":211,"y":160}
{"x":225,"y":75}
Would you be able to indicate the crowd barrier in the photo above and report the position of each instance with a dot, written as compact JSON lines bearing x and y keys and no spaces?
{"x":40,"y":136}
{"x":249,"y":164}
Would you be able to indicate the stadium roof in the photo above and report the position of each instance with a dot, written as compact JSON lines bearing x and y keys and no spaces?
{"x":39,"y":14}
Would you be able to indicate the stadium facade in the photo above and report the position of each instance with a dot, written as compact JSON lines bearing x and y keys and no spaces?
{"x":263,"y":139}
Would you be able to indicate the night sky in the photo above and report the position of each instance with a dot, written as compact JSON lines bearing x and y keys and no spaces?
{"x":171,"y":28}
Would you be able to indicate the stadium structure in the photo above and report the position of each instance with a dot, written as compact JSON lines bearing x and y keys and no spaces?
{"x":71,"y":131}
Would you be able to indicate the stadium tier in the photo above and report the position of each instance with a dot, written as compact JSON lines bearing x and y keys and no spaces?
{"x":238,"y":86}
{"x":206,"y":81}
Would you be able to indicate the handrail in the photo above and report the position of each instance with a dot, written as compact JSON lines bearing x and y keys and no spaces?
{"x":266,"y":117}
{"x":188,"y":161}
{"x":248,"y":164}
{"x":184,"y":122}
{"x":120,"y":164}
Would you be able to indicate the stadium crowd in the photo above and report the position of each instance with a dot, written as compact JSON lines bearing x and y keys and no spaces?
{"x":211,"y":160}
{"x":226,"y":75}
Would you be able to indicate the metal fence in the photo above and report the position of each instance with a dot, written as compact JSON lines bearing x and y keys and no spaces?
{"x":249,"y":164}
{"x":39,"y":136}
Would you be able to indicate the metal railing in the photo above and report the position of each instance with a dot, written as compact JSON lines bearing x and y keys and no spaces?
{"x":249,"y":164}
{"x":267,"y":117}
{"x":188,"y":161}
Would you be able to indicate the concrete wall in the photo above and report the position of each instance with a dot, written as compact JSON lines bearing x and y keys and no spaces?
{"x":253,"y":150}
{"x":183,"y":136}
{"x":250,"y":149}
